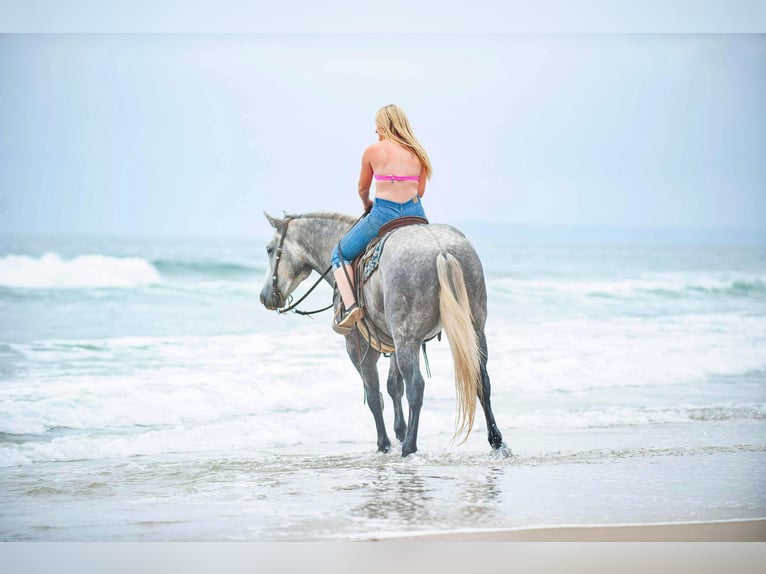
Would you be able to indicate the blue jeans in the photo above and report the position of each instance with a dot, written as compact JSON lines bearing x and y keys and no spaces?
{"x":383,"y":211}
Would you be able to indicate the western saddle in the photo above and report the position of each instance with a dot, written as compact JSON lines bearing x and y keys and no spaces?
{"x":363,"y":267}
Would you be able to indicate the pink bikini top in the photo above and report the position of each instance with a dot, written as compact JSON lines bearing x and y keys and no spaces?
{"x":395,"y":178}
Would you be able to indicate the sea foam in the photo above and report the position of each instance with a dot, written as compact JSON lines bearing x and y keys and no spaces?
{"x":658,"y":284}
{"x":85,"y":271}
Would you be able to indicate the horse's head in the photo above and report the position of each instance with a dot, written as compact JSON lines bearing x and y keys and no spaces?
{"x":288,"y":264}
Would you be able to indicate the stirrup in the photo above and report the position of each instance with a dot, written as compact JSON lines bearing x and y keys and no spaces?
{"x":337,"y":316}
{"x":340,"y":330}
{"x":350,"y":317}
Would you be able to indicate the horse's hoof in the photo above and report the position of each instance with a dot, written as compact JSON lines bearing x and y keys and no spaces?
{"x":385,"y":447}
{"x":502,"y":451}
{"x":406,"y":451}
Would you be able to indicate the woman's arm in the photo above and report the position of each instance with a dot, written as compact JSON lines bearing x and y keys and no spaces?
{"x":365,"y":178}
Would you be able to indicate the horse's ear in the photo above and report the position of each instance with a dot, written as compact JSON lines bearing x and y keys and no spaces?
{"x":276,"y":223}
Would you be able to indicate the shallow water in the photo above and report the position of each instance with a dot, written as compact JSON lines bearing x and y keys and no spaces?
{"x":359,"y":495}
{"x":145,"y":395}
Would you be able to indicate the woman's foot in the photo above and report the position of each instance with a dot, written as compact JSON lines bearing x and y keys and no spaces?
{"x":336,"y":316}
{"x":349,"y":317}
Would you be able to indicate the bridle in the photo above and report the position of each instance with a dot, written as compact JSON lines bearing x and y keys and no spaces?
{"x":288,"y":301}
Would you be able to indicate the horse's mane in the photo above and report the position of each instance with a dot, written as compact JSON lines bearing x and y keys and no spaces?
{"x":326,"y":215}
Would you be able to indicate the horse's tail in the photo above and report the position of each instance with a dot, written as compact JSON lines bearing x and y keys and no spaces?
{"x":457,"y":320}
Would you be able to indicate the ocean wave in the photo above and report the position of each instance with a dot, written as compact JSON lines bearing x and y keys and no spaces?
{"x":227,"y":436}
{"x":618,"y":416}
{"x":246,"y":433}
{"x":666,"y":286}
{"x":221,"y":270}
{"x":742,"y":287}
{"x":85,"y":271}
{"x":51,"y":271}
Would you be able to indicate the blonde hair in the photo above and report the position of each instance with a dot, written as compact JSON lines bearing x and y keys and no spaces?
{"x":392,"y":124}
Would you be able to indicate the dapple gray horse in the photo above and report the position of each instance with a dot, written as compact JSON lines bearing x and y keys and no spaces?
{"x":429,"y":278}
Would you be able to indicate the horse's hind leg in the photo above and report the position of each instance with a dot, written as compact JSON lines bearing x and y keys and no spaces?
{"x":493,"y":433}
{"x":395,"y":386}
{"x":365,"y":360}
{"x":408,"y":359}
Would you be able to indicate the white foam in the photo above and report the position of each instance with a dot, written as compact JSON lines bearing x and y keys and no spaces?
{"x":575,"y":355}
{"x":229,"y":436}
{"x":677,"y":283}
{"x":52,"y":272}
{"x":624,"y":416}
{"x":165,"y":381}
{"x":149,"y":395}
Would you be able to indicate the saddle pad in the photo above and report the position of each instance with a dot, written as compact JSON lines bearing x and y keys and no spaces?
{"x":371,"y":261}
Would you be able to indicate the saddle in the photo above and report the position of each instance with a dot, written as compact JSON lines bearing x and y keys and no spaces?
{"x":364,"y":265}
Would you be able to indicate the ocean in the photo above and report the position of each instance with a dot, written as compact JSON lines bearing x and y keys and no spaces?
{"x":145,"y":394}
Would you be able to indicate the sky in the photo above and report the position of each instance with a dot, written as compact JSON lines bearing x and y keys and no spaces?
{"x":199,"y":134}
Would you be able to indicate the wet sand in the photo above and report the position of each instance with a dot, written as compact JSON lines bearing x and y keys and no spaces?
{"x":727,"y":531}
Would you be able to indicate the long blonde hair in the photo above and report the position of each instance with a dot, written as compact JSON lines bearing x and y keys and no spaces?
{"x":392,"y":124}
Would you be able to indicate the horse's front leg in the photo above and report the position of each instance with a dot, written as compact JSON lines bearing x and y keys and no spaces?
{"x":408,"y":360}
{"x":365,"y":360}
{"x":493,"y":433}
{"x":395,"y":386}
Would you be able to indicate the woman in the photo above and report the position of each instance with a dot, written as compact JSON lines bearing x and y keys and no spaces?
{"x":401,"y":167}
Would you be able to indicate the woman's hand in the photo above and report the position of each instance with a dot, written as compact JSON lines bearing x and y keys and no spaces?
{"x":367,"y":206}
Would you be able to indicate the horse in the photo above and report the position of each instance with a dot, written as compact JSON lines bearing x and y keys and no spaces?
{"x":429,"y":279}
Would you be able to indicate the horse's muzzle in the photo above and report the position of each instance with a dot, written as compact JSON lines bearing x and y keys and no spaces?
{"x":268,"y":299}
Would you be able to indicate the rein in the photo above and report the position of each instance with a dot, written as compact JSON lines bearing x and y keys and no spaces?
{"x":288,"y":300}
{"x":293,"y":306}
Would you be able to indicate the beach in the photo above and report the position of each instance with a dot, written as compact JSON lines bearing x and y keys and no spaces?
{"x":145,"y":395}
{"x":731,"y":531}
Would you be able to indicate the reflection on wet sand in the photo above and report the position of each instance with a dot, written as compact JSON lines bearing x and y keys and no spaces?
{"x":397,"y":494}
{"x":420,"y":497}
{"x":481,"y":496}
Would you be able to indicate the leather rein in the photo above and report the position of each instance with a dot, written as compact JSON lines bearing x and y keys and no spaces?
{"x":289,"y":299}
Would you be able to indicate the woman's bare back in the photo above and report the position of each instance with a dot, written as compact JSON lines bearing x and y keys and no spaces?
{"x":390,"y":158}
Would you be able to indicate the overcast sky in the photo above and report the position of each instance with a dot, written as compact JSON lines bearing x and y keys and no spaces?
{"x":198,"y":134}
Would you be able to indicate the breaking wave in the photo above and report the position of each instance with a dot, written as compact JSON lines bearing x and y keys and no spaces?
{"x":85,"y":271}
{"x":51,"y":271}
{"x":670,"y":286}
